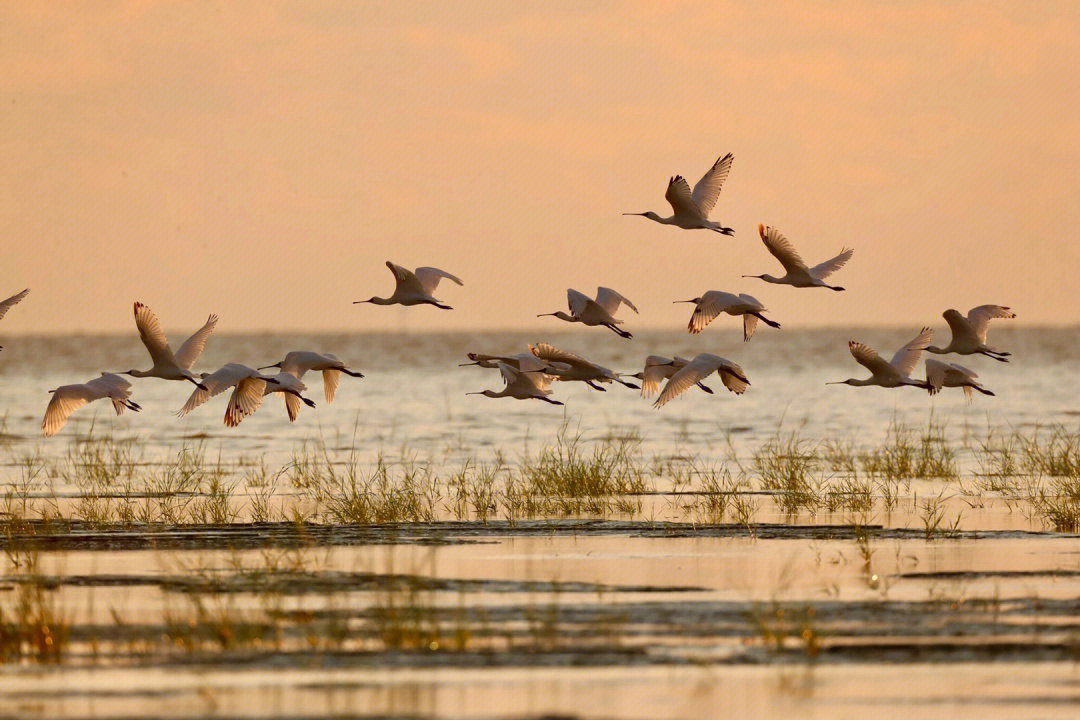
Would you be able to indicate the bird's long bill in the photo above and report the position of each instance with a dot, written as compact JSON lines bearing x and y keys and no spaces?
{"x":639,"y":214}
{"x":474,"y":393}
{"x":267,"y":367}
{"x":467,"y":364}
{"x":546,"y":315}
{"x":676,"y":302}
{"x":752,"y":276}
{"x":836,"y":382}
{"x":360,"y":302}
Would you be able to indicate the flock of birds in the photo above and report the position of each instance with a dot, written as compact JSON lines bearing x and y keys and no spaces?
{"x":529,"y":376}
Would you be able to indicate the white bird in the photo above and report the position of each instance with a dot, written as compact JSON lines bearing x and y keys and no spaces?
{"x":168,"y":366}
{"x":569,"y":367}
{"x":595,"y":313}
{"x":940,"y":375}
{"x":10,"y":303}
{"x":691,"y":209}
{"x":66,"y":399}
{"x":715,"y":302}
{"x":797,"y":273}
{"x":299,"y":362}
{"x":247,"y":397}
{"x":522,"y":385}
{"x":290,"y":388}
{"x":414,"y":288}
{"x":893,"y":373}
{"x":969,"y":333}
{"x":687,"y":374}
{"x":659,"y":368}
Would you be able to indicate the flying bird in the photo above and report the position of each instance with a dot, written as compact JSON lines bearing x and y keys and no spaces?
{"x":414,"y":287}
{"x":797,"y":274}
{"x":969,"y":333}
{"x":299,"y":362}
{"x":569,"y":367}
{"x":893,"y":373}
{"x":290,"y":387}
{"x":168,"y":366}
{"x":595,"y":313}
{"x":66,"y":399}
{"x":714,"y":302}
{"x":691,"y":209}
{"x":940,"y":375}
{"x":659,"y":368}
{"x":522,"y":385}
{"x":698,"y":369}
{"x":249,"y":388}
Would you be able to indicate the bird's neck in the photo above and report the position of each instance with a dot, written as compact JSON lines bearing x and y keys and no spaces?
{"x":139,"y":373}
{"x":381,"y":301}
{"x":936,"y":350}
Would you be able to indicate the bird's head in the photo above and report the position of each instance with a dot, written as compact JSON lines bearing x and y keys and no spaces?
{"x":560,"y":314}
{"x":267,"y":367}
{"x":485,"y":393}
{"x":695,"y":301}
{"x":850,"y":381}
{"x":650,"y":214}
{"x":369,"y":300}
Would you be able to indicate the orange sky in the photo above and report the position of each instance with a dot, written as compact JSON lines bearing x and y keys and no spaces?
{"x":263,"y":161}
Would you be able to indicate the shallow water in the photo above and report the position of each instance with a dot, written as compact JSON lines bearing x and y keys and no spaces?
{"x":654,"y":614}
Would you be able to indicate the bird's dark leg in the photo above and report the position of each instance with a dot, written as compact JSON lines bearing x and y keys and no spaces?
{"x":548,"y":400}
{"x":991,"y":355}
{"x":767,"y":321}
{"x":594,"y":386}
{"x":705,"y":388}
{"x":350,"y":373}
{"x":628,"y":384}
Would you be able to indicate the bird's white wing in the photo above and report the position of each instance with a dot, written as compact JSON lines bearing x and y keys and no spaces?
{"x":869,"y":359}
{"x":705,"y":312}
{"x":192,"y":348}
{"x":246,"y":399}
{"x":907,"y":357}
{"x":969,"y":374}
{"x":65,"y":400}
{"x":827,"y":268}
{"x":708,"y":187}
{"x":733,"y":377}
{"x":553,"y":354}
{"x":653,"y":376}
{"x":751,"y":301}
{"x":781,"y":249}
{"x":429,"y":278}
{"x":406,"y":279}
{"x":12,"y":301}
{"x":685,"y":379}
{"x":330,"y":379}
{"x":610,"y":300}
{"x":935,"y":374}
{"x":980,"y":318}
{"x":292,"y":406}
{"x":152,"y":336}
{"x":678,"y":194}
{"x":577,"y":301}
{"x":749,"y":325}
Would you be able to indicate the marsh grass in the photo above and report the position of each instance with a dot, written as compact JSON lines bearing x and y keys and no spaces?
{"x":32,"y":628}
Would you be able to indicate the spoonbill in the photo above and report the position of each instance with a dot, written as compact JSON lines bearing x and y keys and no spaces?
{"x":715,"y":302}
{"x":691,"y":209}
{"x":595,"y":313}
{"x":698,"y":369}
{"x":66,"y":399}
{"x":299,"y":362}
{"x":569,"y":367}
{"x":290,"y":387}
{"x":414,"y":287}
{"x":797,"y":274}
{"x":11,"y":302}
{"x":894,"y":373}
{"x":522,"y":385}
{"x":247,"y":397}
{"x":166,"y":365}
{"x":659,"y":368}
{"x":940,"y":375}
{"x":969,"y":333}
